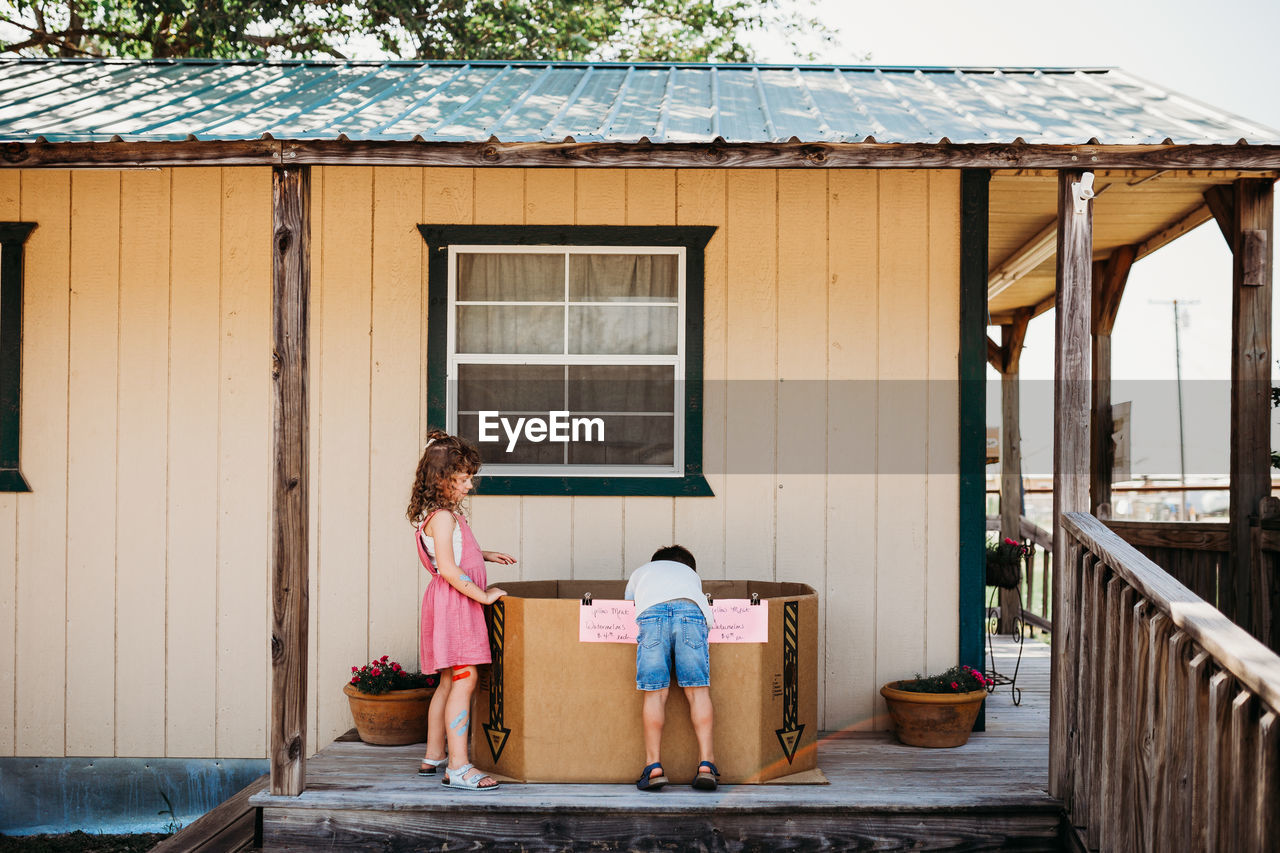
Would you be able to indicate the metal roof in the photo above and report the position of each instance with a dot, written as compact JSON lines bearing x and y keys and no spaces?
{"x":98,"y":100}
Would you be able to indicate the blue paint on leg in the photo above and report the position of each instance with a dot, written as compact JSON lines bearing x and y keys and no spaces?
{"x":459,"y":723}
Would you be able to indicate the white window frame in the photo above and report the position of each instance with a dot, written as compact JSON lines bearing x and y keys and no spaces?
{"x":676,"y":361}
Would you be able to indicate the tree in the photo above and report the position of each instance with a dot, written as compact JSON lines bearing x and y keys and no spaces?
{"x":621,"y":30}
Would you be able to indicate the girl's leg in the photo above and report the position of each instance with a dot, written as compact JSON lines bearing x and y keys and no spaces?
{"x":457,"y":716}
{"x":435,"y":717}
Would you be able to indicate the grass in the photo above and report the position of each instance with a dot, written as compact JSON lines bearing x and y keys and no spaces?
{"x":80,"y":842}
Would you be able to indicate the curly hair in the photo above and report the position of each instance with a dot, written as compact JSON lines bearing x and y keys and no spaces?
{"x":444,"y":457}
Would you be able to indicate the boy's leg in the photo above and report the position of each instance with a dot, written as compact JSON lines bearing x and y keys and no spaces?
{"x":654,"y":715}
{"x":435,"y":717}
{"x":700,"y":714}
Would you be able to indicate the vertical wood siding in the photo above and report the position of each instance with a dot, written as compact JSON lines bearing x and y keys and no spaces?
{"x":133,"y":579}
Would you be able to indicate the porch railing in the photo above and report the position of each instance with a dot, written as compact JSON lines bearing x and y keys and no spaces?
{"x":1164,"y":731}
{"x":1195,"y":553}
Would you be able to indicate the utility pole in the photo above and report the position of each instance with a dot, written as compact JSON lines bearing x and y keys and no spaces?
{"x":1177,"y":367}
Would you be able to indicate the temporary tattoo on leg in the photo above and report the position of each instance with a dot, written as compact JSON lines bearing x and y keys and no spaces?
{"x":459,"y":724}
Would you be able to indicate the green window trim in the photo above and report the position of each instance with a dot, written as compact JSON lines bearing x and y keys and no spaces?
{"x":13,"y":237}
{"x":692,"y":238}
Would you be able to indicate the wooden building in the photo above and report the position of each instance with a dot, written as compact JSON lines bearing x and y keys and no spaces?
{"x":235,"y":299}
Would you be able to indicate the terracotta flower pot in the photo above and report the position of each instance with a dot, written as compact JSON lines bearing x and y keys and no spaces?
{"x":932,"y":719}
{"x":390,"y":719}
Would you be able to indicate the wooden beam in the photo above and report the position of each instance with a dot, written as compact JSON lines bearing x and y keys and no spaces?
{"x":291,"y":286}
{"x":1109,"y":278}
{"x":1014,"y":336}
{"x":1250,"y":386}
{"x":1220,"y":200}
{"x":995,"y":355}
{"x":1109,"y":290}
{"x":1026,"y":258}
{"x":1070,"y":460}
{"x":716,"y":155}
{"x":1010,"y":461}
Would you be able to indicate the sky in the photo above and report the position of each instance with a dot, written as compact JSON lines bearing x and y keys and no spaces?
{"x":1222,"y":53}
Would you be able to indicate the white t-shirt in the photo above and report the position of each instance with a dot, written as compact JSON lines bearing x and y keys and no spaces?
{"x":666,"y":580}
{"x":429,"y":542}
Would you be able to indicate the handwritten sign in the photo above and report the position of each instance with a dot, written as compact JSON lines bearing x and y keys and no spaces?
{"x":737,"y":620}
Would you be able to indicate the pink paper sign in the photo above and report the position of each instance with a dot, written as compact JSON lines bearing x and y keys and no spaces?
{"x":737,"y":620}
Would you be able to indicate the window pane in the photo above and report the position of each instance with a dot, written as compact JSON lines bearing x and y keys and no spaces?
{"x":622,"y":388}
{"x":523,"y":453}
{"x":511,"y":388}
{"x":623,"y":278}
{"x":510,"y":278}
{"x":629,"y":440}
{"x":622,"y":330}
{"x":510,"y":328}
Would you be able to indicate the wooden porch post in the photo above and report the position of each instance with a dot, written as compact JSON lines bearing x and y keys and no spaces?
{"x":1070,"y":457}
{"x":1012,"y":337}
{"x":291,"y":286}
{"x":1251,"y":247}
{"x":1109,"y":280}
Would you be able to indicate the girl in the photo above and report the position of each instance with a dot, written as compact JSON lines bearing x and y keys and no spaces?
{"x":454,"y":638}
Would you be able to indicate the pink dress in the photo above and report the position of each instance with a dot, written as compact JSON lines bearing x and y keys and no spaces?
{"x":453,"y":626}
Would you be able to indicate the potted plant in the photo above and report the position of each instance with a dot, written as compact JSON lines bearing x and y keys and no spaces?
{"x":388,"y":703}
{"x":1004,"y":563}
{"x":937,"y":710}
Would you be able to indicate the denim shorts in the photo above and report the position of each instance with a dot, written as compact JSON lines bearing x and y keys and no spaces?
{"x":674,"y":628}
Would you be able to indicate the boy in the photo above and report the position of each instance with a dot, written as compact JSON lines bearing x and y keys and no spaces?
{"x":672,"y":615}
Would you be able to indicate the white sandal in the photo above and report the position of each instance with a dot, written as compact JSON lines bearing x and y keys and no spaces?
{"x":463,"y":783}
{"x":429,"y":766}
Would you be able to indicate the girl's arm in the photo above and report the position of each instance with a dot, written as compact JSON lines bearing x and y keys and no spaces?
{"x":440,"y":527}
{"x":497,"y":557}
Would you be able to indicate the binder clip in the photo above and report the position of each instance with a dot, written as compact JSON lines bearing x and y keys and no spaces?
{"x":710,"y":600}
{"x":755,"y":599}
{"x":586,"y":599}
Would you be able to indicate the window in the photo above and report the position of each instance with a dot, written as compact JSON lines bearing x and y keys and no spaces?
{"x":571,"y":356}
{"x":13,"y":236}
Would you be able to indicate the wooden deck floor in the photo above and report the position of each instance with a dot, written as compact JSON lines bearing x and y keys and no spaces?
{"x":989,"y":794}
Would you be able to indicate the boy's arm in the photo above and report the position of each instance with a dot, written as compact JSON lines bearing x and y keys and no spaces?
{"x":630,"y":594}
{"x":440,"y":528}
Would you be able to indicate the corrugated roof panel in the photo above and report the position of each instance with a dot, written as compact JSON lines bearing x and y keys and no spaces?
{"x":790,"y":107}
{"x":689,"y":116}
{"x":584,"y":118}
{"x":985,"y":117}
{"x":186,"y":115}
{"x":641,"y":106}
{"x":475,"y":120}
{"x":1026,"y":99}
{"x":536,"y":101}
{"x":172,"y":84}
{"x":413,"y":89}
{"x":528,"y":119}
{"x":69,"y":98}
{"x":846,"y":115}
{"x":436,"y":107}
{"x":741,"y":115}
{"x":354,"y":88}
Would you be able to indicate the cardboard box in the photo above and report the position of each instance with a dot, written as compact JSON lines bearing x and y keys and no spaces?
{"x":553,"y":709}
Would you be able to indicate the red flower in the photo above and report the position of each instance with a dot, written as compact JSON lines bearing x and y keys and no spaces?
{"x":1009,"y":541}
{"x":395,"y":666}
{"x":355,"y":679}
{"x":383,"y":659}
{"x":376,"y":672}
{"x":355,"y":669}
{"x":955,"y":686}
